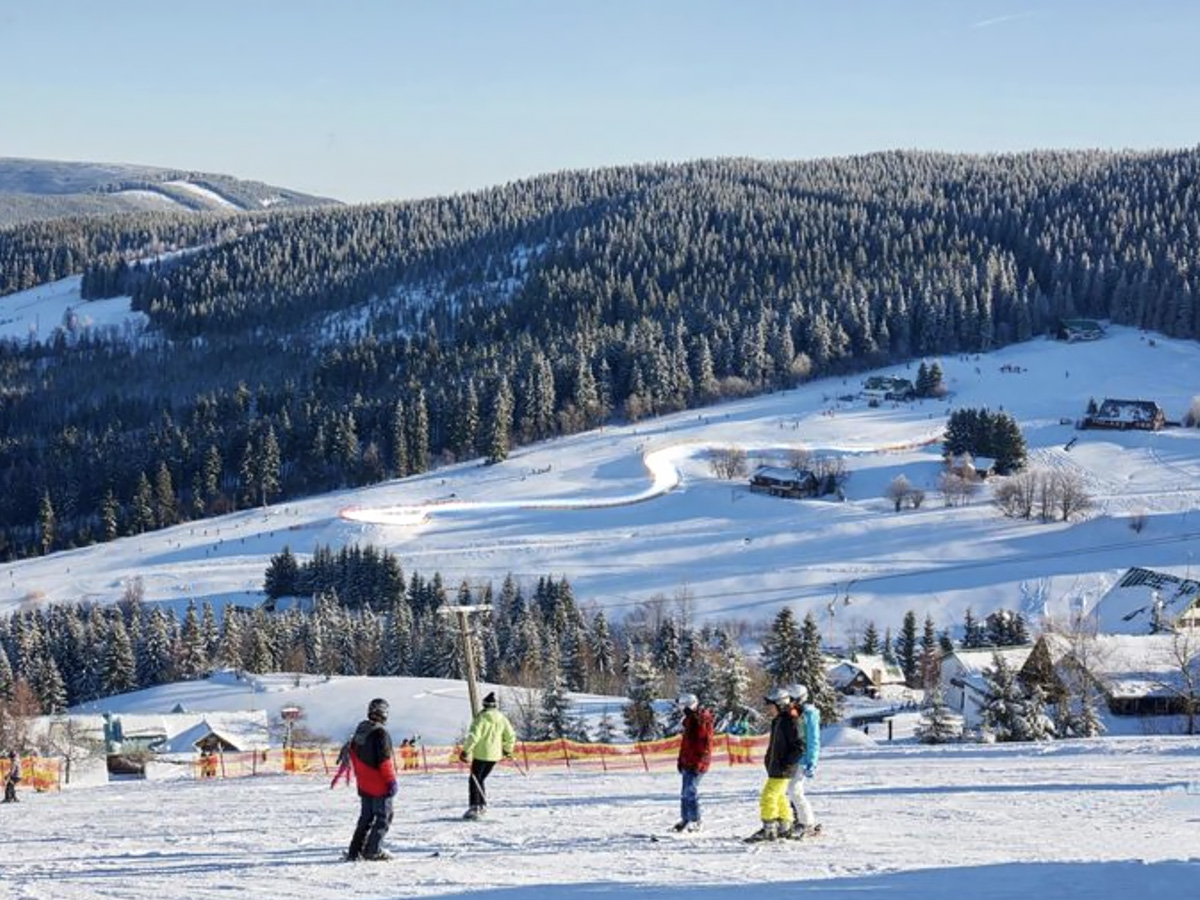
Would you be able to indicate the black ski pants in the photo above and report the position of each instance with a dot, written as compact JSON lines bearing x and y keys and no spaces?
{"x":374,"y":820}
{"x":480,"y":769}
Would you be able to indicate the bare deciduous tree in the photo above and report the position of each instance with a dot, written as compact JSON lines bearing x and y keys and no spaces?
{"x":728,"y":462}
{"x":1072,"y":495}
{"x":956,"y":490}
{"x":67,"y":738}
{"x":800,"y":460}
{"x":1185,"y":685}
{"x":898,"y":491}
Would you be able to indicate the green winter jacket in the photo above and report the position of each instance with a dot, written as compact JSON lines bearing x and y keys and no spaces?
{"x":491,"y":737}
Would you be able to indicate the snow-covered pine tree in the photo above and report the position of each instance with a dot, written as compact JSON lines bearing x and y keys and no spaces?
{"x":812,"y":673}
{"x":606,"y":729}
{"x":1037,"y":724}
{"x":906,"y":650}
{"x":603,"y":652}
{"x":193,"y":660}
{"x":782,"y":653}
{"x":869,"y":645}
{"x":641,"y":721}
{"x":938,"y":725}
{"x":732,"y":681}
{"x":119,"y":673}
{"x":1004,"y":702}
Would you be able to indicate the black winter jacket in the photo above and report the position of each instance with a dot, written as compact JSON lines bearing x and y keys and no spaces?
{"x":785,"y":747}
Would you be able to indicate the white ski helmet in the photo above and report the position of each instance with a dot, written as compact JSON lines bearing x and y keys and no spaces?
{"x":798,"y":692}
{"x":687,"y":701}
{"x":779,"y":696}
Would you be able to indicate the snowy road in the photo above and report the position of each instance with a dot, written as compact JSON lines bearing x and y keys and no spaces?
{"x":1101,"y":819}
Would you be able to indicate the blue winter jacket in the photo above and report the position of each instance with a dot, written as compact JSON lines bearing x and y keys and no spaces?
{"x":812,"y":736}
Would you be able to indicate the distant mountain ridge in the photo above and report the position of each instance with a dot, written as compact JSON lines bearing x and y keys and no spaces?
{"x":38,"y":189}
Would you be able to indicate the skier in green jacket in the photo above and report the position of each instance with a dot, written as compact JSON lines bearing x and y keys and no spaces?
{"x":490,"y":739}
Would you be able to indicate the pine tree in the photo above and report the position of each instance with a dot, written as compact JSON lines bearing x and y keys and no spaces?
{"x":813,"y":676}
{"x":142,"y":508}
{"x":165,"y":511}
{"x":937,"y":725}
{"x":110,"y":516}
{"x":732,"y":682}
{"x":870,"y":641}
{"x":606,"y":731}
{"x":154,"y":662}
{"x":603,"y":651}
{"x":641,"y":721}
{"x":1003,"y":707}
{"x":119,"y":668}
{"x":931,"y":656}
{"x":47,"y":524}
{"x":906,"y":650}
{"x":782,"y":652}
{"x":500,"y":423}
{"x":193,"y":660}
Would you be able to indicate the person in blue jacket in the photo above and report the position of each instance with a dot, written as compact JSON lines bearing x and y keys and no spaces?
{"x":805,"y":822}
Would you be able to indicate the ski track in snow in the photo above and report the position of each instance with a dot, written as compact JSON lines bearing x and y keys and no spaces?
{"x":917,"y":822}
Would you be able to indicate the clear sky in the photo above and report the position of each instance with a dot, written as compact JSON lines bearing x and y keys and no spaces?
{"x":381,"y":99}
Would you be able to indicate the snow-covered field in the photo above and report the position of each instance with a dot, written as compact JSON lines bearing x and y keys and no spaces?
{"x":1102,"y":819}
{"x":631,"y":512}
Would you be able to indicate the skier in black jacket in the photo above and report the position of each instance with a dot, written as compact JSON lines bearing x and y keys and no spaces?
{"x":782,"y":757}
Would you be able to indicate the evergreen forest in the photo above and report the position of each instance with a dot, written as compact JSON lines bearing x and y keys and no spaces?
{"x":297,"y":352}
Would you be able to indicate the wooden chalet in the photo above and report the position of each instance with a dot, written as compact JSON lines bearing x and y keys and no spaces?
{"x":887,"y":387}
{"x":1143,"y":415}
{"x":780,"y":482}
{"x":865,"y":676}
{"x":1138,"y":675}
{"x":1072,"y":330}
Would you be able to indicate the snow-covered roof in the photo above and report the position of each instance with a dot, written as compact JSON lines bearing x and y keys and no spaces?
{"x":243,"y":731}
{"x":1127,"y":410}
{"x":779,"y":473}
{"x":1142,"y":665}
{"x":847,"y":670}
{"x":1129,"y":606}
{"x":974,"y":661}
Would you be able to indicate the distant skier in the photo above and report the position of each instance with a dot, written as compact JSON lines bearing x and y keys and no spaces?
{"x":344,"y":766}
{"x":375,"y":772}
{"x":13,"y":778}
{"x":782,"y":756}
{"x":490,"y":739}
{"x":806,"y":824}
{"x":695,"y":754}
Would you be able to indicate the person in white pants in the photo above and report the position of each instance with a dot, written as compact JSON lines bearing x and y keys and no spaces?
{"x":806,"y":824}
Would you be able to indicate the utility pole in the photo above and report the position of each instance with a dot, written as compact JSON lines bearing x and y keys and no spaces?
{"x":463,"y":614}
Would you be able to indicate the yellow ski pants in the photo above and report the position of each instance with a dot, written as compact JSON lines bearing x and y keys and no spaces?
{"x":773,"y":803}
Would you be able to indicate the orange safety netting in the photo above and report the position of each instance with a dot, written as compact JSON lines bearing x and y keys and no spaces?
{"x":644,"y":756}
{"x":37,"y":772}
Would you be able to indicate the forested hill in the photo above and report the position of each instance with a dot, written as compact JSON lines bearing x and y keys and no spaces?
{"x":308,"y":350}
{"x":40,"y":189}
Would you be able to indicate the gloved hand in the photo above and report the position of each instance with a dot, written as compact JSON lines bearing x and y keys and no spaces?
{"x":462,"y":757}
{"x":810,"y":771}
{"x":392,"y":787}
{"x":508,"y":755}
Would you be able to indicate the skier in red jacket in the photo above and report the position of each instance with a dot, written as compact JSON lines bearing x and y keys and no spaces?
{"x":375,"y":772}
{"x":695,"y":753}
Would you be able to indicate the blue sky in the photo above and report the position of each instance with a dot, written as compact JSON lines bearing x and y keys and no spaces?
{"x":382,"y":99}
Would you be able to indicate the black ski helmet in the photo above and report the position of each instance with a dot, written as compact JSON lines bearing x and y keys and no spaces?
{"x":377,"y":710}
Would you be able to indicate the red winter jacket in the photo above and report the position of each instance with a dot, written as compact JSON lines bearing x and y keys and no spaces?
{"x":371,"y":756}
{"x":695,"y":751}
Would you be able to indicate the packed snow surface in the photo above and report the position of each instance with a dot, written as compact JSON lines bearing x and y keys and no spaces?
{"x":1104,"y":820}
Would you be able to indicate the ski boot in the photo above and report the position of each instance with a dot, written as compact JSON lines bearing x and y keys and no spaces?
{"x":473,"y":813}
{"x":768,"y":832}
